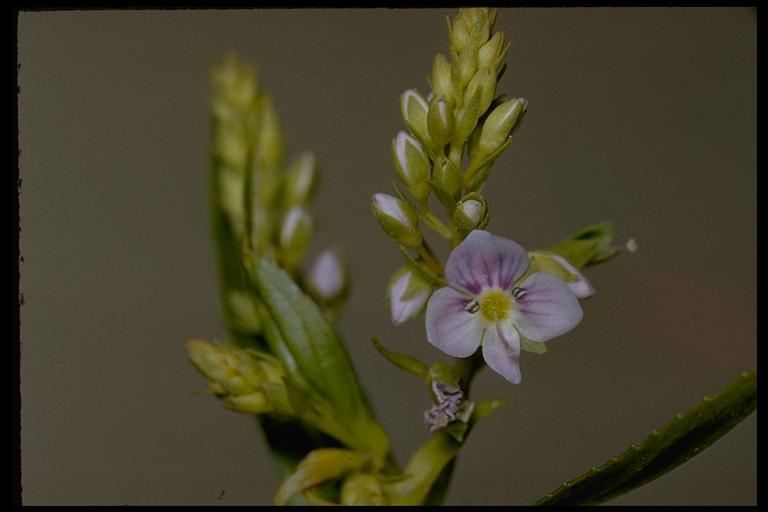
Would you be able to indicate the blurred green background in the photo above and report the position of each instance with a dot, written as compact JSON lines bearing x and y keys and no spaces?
{"x":643,"y":116}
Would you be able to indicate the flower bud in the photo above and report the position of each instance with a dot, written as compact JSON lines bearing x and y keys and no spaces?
{"x":446,"y":176}
{"x":221,"y":364}
{"x":491,"y":53}
{"x":242,"y":312}
{"x":269,"y":146}
{"x":253,"y":403}
{"x":484,"y":81}
{"x":463,"y":68}
{"x":500,"y":124}
{"x":471,"y":213}
{"x":327,"y":277}
{"x":235,"y":83}
{"x":231,"y":146}
{"x":411,"y":164}
{"x":480,"y":20}
{"x":301,"y":180}
{"x":397,"y":219}
{"x":442,"y":84}
{"x":414,"y":111}
{"x":544,"y":261}
{"x":467,"y":117}
{"x":458,"y":32}
{"x":231,"y":185}
{"x":295,"y":233}
{"x":440,"y":121}
{"x":408,"y":293}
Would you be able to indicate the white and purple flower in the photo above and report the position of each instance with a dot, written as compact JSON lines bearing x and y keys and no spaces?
{"x":487,"y":304}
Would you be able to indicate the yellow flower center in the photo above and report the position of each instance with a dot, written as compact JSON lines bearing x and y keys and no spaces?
{"x":495,"y":305}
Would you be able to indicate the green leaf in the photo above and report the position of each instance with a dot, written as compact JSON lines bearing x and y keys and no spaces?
{"x":589,"y":245}
{"x":313,"y":354}
{"x":423,"y":470}
{"x":665,"y":449}
{"x":403,"y":361}
{"x":319,"y":466}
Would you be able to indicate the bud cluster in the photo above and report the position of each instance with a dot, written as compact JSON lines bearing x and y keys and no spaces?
{"x":459,"y":117}
{"x":245,"y":380}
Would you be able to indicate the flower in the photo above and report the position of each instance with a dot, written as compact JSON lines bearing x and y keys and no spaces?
{"x":488,"y":304}
{"x":451,"y":406}
{"x":398,"y":219}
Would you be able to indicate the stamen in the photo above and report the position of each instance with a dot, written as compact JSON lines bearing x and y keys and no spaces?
{"x":518,"y":293}
{"x":473,"y":307}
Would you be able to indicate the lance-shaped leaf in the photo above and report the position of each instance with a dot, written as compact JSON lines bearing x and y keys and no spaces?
{"x":665,"y":449}
{"x":403,"y":361}
{"x":319,"y":466}
{"x":318,"y":357}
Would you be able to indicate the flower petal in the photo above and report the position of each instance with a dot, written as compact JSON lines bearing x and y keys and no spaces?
{"x":326,"y":276}
{"x":450,"y":327}
{"x":501,"y":350}
{"x":548,"y":308}
{"x":484,"y":260}
{"x":581,"y":287}
{"x":404,"y":309}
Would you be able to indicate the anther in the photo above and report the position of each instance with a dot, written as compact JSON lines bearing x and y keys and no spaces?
{"x":518,"y":293}
{"x":473,"y":307}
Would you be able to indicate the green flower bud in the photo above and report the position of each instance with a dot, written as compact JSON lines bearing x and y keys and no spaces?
{"x":254,"y":403}
{"x":471,"y":27}
{"x":230,"y":146}
{"x":414,"y":110}
{"x":463,"y":68}
{"x":231,"y":189}
{"x":269,"y":146}
{"x":480,"y":21}
{"x":219,"y":364}
{"x":500,"y":124}
{"x":458,"y":31}
{"x":471,"y":213}
{"x":295,"y":234}
{"x":397,"y":219}
{"x":442,"y":84}
{"x":235,"y":84}
{"x":484,"y":81}
{"x":301,"y":180}
{"x":362,"y":489}
{"x":491,"y":53}
{"x":446,"y":176}
{"x":411,"y":164}
{"x":243,"y":313}
{"x":440,"y":121}
{"x":467,"y":117}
